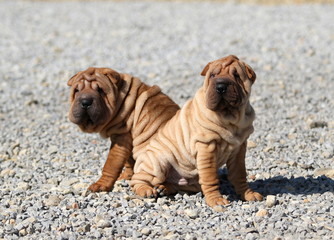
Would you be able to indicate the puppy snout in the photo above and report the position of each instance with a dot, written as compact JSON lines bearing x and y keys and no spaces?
{"x":86,"y":102}
{"x":222,"y":86}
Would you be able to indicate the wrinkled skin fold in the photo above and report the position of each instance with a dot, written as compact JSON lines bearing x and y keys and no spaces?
{"x":119,"y":107}
{"x":209,"y":131}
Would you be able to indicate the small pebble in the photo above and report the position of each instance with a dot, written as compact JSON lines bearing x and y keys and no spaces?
{"x":52,"y":200}
{"x":146,"y":231}
{"x":251,"y":144}
{"x":271,"y":201}
{"x":103,"y":223}
{"x":23,"y":186}
{"x":262,"y":213}
{"x":127,"y":197}
{"x":192,"y":213}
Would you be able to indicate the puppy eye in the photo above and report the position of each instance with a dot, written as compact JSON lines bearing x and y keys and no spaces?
{"x":212,"y":75}
{"x":76,"y":90}
{"x":100,"y":91}
{"x":236,"y":74}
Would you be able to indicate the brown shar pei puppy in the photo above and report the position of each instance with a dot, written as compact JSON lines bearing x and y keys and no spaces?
{"x":210,"y":130}
{"x":122,"y":108}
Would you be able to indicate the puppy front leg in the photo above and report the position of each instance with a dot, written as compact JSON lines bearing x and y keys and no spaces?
{"x":238,"y":177}
{"x":128,"y":169}
{"x":119,"y":153}
{"x":208,"y":174}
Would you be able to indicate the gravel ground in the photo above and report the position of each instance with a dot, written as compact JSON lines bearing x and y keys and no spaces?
{"x":46,"y":163}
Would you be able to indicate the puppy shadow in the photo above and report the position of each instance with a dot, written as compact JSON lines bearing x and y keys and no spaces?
{"x":281,"y":185}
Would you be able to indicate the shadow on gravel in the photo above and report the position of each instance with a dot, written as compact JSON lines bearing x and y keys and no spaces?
{"x":282,"y":185}
{"x":295,"y":186}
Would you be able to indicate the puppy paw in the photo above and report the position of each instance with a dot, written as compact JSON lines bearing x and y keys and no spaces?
{"x":98,"y":187}
{"x":144,"y":190}
{"x":216,"y":201}
{"x":250,"y":195}
{"x":162,"y":190}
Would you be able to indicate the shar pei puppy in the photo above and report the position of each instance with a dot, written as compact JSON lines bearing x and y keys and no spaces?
{"x":120,"y":107}
{"x":210,"y":130}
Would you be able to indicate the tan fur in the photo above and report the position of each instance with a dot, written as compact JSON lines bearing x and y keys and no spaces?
{"x":210,"y":130}
{"x":122,"y":108}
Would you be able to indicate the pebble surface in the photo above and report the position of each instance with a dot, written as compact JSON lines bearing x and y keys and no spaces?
{"x":46,"y":163}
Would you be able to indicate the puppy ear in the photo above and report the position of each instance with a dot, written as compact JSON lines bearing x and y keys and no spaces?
{"x":120,"y":80}
{"x":205,"y":69}
{"x":70,"y":81}
{"x":115,"y":78}
{"x":250,"y":73}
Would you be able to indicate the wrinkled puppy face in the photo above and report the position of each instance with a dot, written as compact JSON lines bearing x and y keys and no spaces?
{"x":227,"y":84}
{"x":93,"y":95}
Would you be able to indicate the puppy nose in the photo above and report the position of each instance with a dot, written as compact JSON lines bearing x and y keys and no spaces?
{"x":86,"y":102}
{"x":221,"y":87}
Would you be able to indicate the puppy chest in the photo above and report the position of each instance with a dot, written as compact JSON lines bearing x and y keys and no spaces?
{"x":224,"y":152}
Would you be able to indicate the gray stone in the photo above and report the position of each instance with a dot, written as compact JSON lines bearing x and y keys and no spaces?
{"x":103,"y":224}
{"x":146,"y":231}
{"x":52,"y":200}
{"x":23,"y":186}
{"x":192,"y":213}
{"x":25,"y":223}
{"x":271,"y":201}
{"x":262,"y":213}
{"x":68,"y":182}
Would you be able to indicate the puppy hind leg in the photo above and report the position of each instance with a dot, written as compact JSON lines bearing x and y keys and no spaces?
{"x":149,"y":174}
{"x":141,"y":184}
{"x":145,"y":184}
